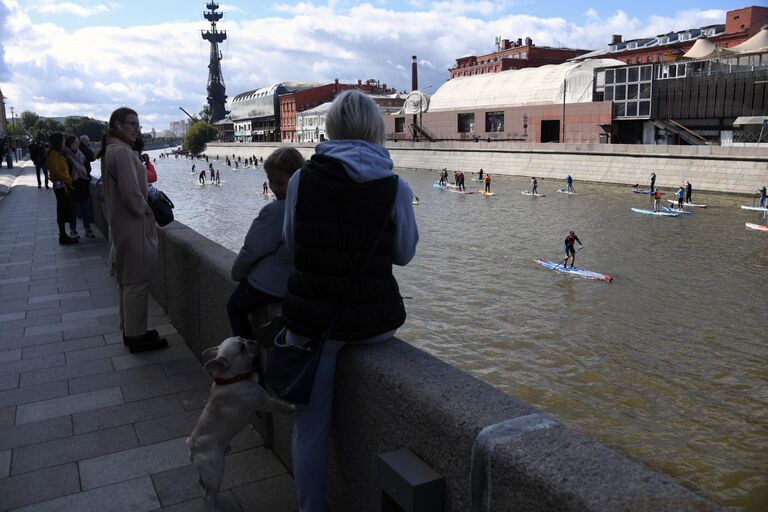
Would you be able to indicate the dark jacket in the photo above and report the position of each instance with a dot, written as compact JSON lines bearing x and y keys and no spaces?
{"x":89,"y":156}
{"x":336,"y":222}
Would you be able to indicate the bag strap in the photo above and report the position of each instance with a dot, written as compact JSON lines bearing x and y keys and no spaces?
{"x":326,"y":334}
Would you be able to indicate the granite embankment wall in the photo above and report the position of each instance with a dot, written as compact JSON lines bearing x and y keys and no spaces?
{"x":739,"y":170}
{"x":494,"y":451}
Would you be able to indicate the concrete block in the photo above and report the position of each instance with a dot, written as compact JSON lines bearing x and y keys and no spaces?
{"x":38,"y":486}
{"x":73,"y":448}
{"x":136,"y":495}
{"x":117,"y":467}
{"x":28,"y":413}
{"x":125,"y":414}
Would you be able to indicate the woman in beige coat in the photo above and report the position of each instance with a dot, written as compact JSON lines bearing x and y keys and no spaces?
{"x":132,"y":225}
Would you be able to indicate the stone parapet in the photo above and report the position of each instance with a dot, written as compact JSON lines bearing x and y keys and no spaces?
{"x":494,"y":451}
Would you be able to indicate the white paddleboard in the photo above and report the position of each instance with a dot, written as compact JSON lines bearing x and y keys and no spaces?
{"x":756,"y":208}
{"x":757,"y":227}
{"x":526,"y":193}
{"x":690,"y":205}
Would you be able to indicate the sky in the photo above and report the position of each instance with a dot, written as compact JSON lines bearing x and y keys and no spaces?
{"x":77,"y":57}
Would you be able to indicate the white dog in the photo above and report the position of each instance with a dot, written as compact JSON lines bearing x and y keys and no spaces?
{"x":235,"y":396}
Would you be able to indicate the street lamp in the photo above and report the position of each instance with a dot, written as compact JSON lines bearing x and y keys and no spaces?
{"x":13,"y":122}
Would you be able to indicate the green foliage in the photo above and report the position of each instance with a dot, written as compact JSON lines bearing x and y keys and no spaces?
{"x":198,"y":135}
{"x":93,"y":128}
{"x":44,"y":127}
{"x":28,"y":119}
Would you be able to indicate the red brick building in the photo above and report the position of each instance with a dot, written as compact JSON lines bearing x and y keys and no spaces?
{"x":740,"y":25}
{"x":512,"y":55}
{"x":300,"y":101}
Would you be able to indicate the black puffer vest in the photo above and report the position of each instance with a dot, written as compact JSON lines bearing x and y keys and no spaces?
{"x":336,"y":223}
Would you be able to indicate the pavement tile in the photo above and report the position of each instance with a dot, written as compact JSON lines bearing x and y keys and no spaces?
{"x":171,"y":353}
{"x":9,"y":381}
{"x":276,"y":494}
{"x":116,"y":467}
{"x":10,"y":355}
{"x":181,"y":484}
{"x":59,"y":296}
{"x":70,"y":371}
{"x":136,"y":495}
{"x":8,"y":317}
{"x":5,"y":463}
{"x":184,"y":382}
{"x":37,"y":432}
{"x":13,"y":280}
{"x":7,"y":416}
{"x":116,"y":378}
{"x":78,"y":356}
{"x":89,"y":313}
{"x":63,"y":346}
{"x":27,"y":341}
{"x":38,"y":321}
{"x":73,"y":448}
{"x":32,"y":363}
{"x":37,"y":486}
{"x":194,"y":398}
{"x":94,"y":330}
{"x":35,"y":393}
{"x":72,"y":404}
{"x":53,"y":310}
{"x":180,"y":366}
{"x":166,"y":427}
{"x":126,"y":413}
{"x":226,"y":502}
{"x":58,"y":326}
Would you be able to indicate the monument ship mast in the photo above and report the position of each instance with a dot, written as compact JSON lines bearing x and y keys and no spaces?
{"x":217,"y":96}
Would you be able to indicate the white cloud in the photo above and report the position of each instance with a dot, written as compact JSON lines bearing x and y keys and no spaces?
{"x":157,"y":68}
{"x":70,"y":8}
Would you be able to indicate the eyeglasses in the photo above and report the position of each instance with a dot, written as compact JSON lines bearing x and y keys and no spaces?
{"x":135,"y":124}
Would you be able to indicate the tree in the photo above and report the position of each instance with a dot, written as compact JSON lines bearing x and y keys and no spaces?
{"x":45,"y":127}
{"x":28,"y":119}
{"x":198,"y":135}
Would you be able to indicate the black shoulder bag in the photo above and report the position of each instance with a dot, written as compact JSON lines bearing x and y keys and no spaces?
{"x":291,"y":369}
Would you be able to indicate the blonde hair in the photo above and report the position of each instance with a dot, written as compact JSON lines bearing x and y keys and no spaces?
{"x":354,"y":115}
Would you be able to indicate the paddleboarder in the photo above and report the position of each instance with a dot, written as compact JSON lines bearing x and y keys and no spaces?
{"x":688,"y":192}
{"x":656,"y":201}
{"x":488,"y":183}
{"x":534,"y":185}
{"x":653,"y":181}
{"x":680,"y":194}
{"x":763,"y":197}
{"x":570,"y":252}
{"x":480,"y":175}
{"x":569,"y":182}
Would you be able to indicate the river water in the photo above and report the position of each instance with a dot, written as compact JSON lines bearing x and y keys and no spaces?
{"x":668,"y":363}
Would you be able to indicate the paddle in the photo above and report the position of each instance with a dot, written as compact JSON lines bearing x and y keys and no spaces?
{"x":566,"y":258}
{"x":416,"y":198}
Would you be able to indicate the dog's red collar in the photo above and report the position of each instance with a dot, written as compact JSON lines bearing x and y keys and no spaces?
{"x":232,"y":380}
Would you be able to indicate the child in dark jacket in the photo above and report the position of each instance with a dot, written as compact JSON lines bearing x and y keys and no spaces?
{"x":264,"y":264}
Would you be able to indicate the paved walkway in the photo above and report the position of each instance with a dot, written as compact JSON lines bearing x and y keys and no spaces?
{"x":84,"y":424}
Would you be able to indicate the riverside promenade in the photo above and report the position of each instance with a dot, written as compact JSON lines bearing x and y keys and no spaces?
{"x":84,"y":424}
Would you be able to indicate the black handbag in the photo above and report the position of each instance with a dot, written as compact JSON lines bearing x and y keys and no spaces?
{"x":162,"y":207}
{"x":291,"y":369}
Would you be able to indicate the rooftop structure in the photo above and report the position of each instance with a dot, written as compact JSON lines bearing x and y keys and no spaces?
{"x":512,"y":55}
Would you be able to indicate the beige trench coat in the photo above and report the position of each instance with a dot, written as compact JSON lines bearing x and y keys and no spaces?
{"x":130,"y":218}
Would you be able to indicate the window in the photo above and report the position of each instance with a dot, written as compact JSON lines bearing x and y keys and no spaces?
{"x":621,"y":75}
{"x":494,"y":122}
{"x":645,"y":108}
{"x":633,"y":74}
{"x":619,"y":109}
{"x":645,"y":90}
{"x":645,"y":72}
{"x":608,"y":93}
{"x":524,"y":55}
{"x":466,"y":123}
{"x":609,"y":76}
{"x":631,"y":109}
{"x":620,"y":92}
{"x":632,"y":91}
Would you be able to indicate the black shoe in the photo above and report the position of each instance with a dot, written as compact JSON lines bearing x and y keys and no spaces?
{"x":65,"y":240}
{"x":135,"y":347}
{"x":150,"y":335}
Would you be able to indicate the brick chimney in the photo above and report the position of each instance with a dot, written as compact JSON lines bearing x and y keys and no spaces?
{"x":414,"y":74}
{"x":519,"y":41}
{"x":615,"y":38}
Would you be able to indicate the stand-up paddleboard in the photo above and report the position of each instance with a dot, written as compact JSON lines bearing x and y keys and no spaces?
{"x":566,"y":192}
{"x":641,"y":191}
{"x":756,"y":208}
{"x":576,"y":271}
{"x":415,"y":203}
{"x":444,"y":185}
{"x":690,"y":205}
{"x":678,"y":210}
{"x":488,"y":194}
{"x":651,"y":212}
{"x":457,"y":191}
{"x":757,"y":227}
{"x":526,"y":193}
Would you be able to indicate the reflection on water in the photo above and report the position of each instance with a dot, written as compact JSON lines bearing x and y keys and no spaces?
{"x":667,"y":363}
